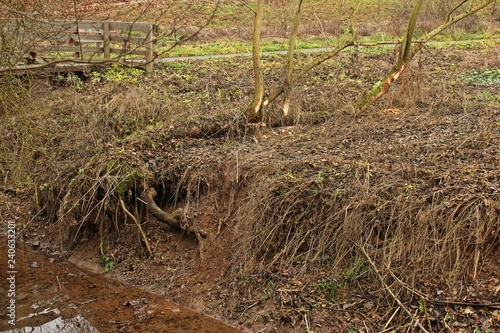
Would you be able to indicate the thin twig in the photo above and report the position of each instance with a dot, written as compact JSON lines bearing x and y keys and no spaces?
{"x":407,"y":287}
{"x":390,"y":319}
{"x":386,"y":287}
{"x":89,"y":301}
{"x":77,"y":20}
{"x":249,"y":307}
{"x":366,"y":327}
{"x":471,"y":304}
{"x":448,"y":17}
{"x":308,"y":329}
{"x":248,"y":7}
{"x":59,"y":283}
{"x":447,"y":326}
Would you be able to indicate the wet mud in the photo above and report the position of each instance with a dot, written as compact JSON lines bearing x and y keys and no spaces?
{"x":53,"y":295}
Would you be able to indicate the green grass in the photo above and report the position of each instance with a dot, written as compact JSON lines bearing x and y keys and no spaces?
{"x":465,"y":36}
{"x":487,"y":96}
{"x":227,"y":46}
{"x":488,"y":77}
{"x":317,"y":14}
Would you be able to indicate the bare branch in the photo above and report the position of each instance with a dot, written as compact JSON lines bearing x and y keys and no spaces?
{"x":408,"y":52}
{"x":247,"y":6}
{"x":448,"y":17}
{"x":193,"y":35}
{"x":254,"y":111}
{"x":316,"y":62}
{"x":141,"y":232}
{"x":319,"y":60}
{"x":78,"y":30}
{"x":453,"y":20}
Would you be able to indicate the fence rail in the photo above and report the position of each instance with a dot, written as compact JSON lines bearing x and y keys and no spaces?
{"x":83,"y":39}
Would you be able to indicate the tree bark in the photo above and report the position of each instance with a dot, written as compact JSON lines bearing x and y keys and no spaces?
{"x":287,"y":84}
{"x":404,"y":58}
{"x":408,"y":52}
{"x":255,"y":109}
{"x":172,"y":219}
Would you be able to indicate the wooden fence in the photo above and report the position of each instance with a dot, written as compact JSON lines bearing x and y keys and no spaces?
{"x":86,"y":39}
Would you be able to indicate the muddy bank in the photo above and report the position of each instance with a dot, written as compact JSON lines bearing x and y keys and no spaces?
{"x":55,"y":291}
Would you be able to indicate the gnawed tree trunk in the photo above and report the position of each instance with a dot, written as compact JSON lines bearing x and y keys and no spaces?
{"x":407,"y":51}
{"x":403,"y":59}
{"x":255,"y":109}
{"x":287,"y":84}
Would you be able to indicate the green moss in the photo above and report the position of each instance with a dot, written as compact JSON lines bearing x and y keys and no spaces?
{"x":123,"y":173}
{"x":367,"y":97}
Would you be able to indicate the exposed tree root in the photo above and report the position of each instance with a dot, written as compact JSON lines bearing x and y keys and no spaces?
{"x":173,"y":219}
{"x":143,"y":235}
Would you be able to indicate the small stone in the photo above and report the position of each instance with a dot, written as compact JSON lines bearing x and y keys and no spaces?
{"x":35,"y":245}
{"x":35,"y":264}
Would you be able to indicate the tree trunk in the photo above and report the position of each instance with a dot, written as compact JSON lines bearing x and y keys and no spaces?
{"x":407,"y":52}
{"x":404,"y":58}
{"x":255,"y":109}
{"x":315,"y":62}
{"x":287,"y":84}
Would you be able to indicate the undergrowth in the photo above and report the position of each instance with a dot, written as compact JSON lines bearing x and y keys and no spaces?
{"x":412,"y":185}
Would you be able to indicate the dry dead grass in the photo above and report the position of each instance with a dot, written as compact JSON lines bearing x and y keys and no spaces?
{"x":417,"y":190}
{"x":411,"y":206}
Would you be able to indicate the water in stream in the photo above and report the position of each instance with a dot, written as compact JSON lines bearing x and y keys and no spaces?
{"x":56,"y":296}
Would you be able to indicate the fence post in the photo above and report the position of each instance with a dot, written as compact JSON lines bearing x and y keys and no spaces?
{"x":149,"y":50}
{"x":106,"y":40}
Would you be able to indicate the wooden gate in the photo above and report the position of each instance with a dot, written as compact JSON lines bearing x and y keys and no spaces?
{"x":86,"y":40}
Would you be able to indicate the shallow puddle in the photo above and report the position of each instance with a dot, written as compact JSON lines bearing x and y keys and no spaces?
{"x":53,"y":296}
{"x":73,"y":325}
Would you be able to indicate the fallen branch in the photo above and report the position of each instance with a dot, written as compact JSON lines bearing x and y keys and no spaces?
{"x":249,"y":307}
{"x":386,"y":287}
{"x":143,"y":235}
{"x":392,"y":317}
{"x":434,"y":301}
{"x":471,"y":304}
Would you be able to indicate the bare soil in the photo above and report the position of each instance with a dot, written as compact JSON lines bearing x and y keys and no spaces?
{"x":48,"y":288}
